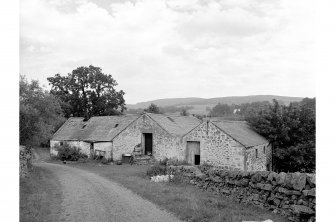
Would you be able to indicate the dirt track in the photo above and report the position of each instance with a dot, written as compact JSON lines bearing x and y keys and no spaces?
{"x":89,"y":197}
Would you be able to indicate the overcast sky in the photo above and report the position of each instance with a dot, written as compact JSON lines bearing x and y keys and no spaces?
{"x":172,"y":48}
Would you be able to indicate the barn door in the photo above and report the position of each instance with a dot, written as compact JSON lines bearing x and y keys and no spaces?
{"x":193,"y":152}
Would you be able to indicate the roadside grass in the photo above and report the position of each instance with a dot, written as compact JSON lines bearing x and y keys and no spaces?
{"x":36,"y":191}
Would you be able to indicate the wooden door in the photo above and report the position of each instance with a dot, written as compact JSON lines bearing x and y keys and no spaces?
{"x":193,"y":152}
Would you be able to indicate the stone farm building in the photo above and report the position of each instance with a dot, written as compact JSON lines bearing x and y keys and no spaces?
{"x":228,"y":144}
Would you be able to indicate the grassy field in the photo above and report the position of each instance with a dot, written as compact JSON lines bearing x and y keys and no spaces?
{"x":184,"y":200}
{"x":36,"y":191}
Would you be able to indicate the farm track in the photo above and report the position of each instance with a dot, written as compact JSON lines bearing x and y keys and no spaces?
{"x":89,"y":197}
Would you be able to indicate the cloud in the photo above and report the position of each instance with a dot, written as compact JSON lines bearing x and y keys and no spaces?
{"x":157,"y":49}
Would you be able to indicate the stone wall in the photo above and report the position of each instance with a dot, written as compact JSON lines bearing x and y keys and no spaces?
{"x":25,"y":160}
{"x":164,"y":145}
{"x":289,"y":194}
{"x":217,"y":148}
{"x":259,"y":161}
{"x":105,"y":146}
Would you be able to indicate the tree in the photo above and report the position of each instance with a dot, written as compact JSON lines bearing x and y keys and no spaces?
{"x":40,"y":113}
{"x":221,"y":110}
{"x":291,"y":131}
{"x":184,"y":113}
{"x":87,"y":92}
{"x":152,"y":109}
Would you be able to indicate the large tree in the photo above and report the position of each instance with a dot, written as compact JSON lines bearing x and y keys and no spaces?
{"x":86,"y":92}
{"x":291,"y":131}
{"x":40,"y":113}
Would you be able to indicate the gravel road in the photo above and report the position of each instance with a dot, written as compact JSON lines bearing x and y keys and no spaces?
{"x":89,"y":197}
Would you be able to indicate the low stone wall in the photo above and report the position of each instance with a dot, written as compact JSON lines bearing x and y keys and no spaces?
{"x":25,"y":160}
{"x":289,"y":194}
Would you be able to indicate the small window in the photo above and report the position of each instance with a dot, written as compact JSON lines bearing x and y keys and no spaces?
{"x":256,"y":153}
{"x":264,"y":149}
{"x":61,"y":143}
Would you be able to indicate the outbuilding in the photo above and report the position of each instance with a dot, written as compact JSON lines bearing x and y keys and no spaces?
{"x":228,"y":144}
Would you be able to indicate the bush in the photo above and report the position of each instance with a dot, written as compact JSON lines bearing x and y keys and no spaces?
{"x":205,"y":167}
{"x":178,"y":178}
{"x":66,"y":152}
{"x":156,"y":169}
{"x":176,"y":162}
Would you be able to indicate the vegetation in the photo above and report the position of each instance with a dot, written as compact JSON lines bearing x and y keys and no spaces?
{"x":40,"y":113}
{"x":86,"y":92}
{"x":291,"y":131}
{"x":183,"y":199}
{"x":66,"y":152}
{"x":152,"y":109}
{"x":165,"y":109}
{"x":36,"y":191}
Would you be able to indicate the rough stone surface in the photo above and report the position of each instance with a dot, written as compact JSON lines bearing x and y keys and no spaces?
{"x":298,"y":181}
{"x":25,"y":160}
{"x":216,"y":147}
{"x":257,"y":188}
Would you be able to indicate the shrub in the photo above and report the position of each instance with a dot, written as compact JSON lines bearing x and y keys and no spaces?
{"x":178,"y":178}
{"x":164,"y":161}
{"x":156,"y":169}
{"x":66,"y":152}
{"x":176,"y":162}
{"x":205,"y":167}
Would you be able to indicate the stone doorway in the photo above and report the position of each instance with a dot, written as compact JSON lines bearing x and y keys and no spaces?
{"x":193,"y":152}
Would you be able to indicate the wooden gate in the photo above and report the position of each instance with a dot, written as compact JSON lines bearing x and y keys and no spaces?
{"x":193,"y":152}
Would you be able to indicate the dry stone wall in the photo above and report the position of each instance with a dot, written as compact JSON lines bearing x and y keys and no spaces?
{"x":217,"y":148}
{"x":289,"y":194}
{"x":25,"y":160}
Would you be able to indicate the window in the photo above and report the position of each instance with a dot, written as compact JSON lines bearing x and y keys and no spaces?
{"x":61,"y":143}
{"x":256,"y":153}
{"x":264,"y":149}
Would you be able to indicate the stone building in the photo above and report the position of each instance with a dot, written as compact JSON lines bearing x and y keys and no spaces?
{"x":158,"y":135}
{"x":229,"y":144}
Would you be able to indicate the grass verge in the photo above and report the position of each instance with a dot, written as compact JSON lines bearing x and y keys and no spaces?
{"x":36,"y":191}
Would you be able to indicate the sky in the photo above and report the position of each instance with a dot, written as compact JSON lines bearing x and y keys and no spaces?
{"x":171,"y":48}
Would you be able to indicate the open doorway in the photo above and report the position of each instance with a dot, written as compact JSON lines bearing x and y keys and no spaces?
{"x":147,"y":143}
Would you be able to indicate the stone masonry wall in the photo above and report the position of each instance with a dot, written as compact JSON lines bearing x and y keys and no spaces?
{"x":25,"y":160}
{"x":105,"y":146}
{"x":217,"y":148}
{"x":291,"y":195}
{"x":260,"y":162}
{"x":164,"y":145}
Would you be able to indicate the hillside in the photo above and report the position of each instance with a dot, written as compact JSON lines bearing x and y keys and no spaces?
{"x":199,"y":102}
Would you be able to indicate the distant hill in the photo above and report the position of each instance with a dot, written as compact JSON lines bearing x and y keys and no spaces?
{"x":201,"y":102}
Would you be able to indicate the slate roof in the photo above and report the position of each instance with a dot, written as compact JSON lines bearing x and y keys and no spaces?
{"x":175,"y":125}
{"x":240,"y":131}
{"x":99,"y":128}
{"x":70,"y":130}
